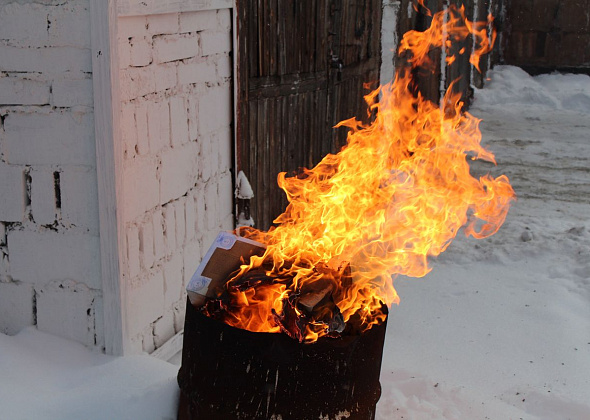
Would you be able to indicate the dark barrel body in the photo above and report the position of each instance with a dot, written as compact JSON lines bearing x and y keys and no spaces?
{"x":229,"y":373}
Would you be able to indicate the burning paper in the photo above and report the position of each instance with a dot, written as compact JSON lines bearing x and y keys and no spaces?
{"x":395,"y":195}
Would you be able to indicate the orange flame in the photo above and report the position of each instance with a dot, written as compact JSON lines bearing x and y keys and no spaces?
{"x":396,"y":194}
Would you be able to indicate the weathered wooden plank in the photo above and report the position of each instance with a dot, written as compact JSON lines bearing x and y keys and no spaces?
{"x":290,"y":84}
{"x":241,"y":80}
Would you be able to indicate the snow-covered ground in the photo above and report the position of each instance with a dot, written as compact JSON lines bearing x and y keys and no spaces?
{"x":500,"y":329}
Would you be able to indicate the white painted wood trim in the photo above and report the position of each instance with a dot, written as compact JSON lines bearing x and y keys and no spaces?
{"x":235,"y":52}
{"x":170,"y":348}
{"x":154,"y":7}
{"x":105,"y":75}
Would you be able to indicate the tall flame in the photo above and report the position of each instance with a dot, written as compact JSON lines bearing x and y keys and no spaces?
{"x":396,"y":194}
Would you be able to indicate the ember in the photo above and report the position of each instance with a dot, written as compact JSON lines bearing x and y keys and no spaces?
{"x":395,"y":195}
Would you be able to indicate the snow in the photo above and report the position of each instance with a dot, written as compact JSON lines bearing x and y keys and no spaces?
{"x":500,"y":329}
{"x":47,"y":377}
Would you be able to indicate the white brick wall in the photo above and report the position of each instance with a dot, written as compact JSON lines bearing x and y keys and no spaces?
{"x":66,"y":308}
{"x":176,"y":130}
{"x":176,"y":116}
{"x":49,"y":245}
{"x":12,"y":185}
{"x":16,"y":301}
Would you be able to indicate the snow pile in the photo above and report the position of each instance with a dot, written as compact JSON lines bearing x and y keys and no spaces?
{"x":499,"y":329}
{"x":46,"y":377}
{"x":510,"y":86}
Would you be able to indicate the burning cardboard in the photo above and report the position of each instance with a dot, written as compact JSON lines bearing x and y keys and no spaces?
{"x":227,"y":253}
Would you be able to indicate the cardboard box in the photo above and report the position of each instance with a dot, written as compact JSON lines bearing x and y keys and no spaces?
{"x":225,"y":256}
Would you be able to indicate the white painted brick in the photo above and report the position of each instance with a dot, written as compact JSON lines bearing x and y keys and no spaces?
{"x":57,"y":255}
{"x":141,"y":119}
{"x":173,"y":279}
{"x":192,"y":258}
{"x":190,"y":212}
{"x":140,"y":187}
{"x":99,"y":323}
{"x":193,"y":116}
{"x":158,"y":125}
{"x":133,"y":253}
{"x":130,"y":26}
{"x":164,"y":328}
{"x":179,"y":171}
{"x":124,"y":52}
{"x":141,"y":127}
{"x":224,"y":67}
{"x":4,"y":265}
{"x":136,"y":344}
{"x":146,"y":243}
{"x":179,"y":314}
{"x":225,"y":140}
{"x":159,"y":240}
{"x":175,"y":47}
{"x":22,"y":91}
{"x":129,"y":130}
{"x":226,"y":195}
{"x":214,"y":150}
{"x":66,"y":309}
{"x":228,"y":223}
{"x":69,"y":25}
{"x":12,"y":185}
{"x":209,"y":161}
{"x":224,"y":19}
{"x":215,"y":42}
{"x":199,"y":196}
{"x":72,"y":92}
{"x":147,"y":342}
{"x":198,"y":21}
{"x":215,"y":109}
{"x":16,"y":307}
{"x":136,"y":82}
{"x":163,"y":23}
{"x":169,"y":227}
{"x":178,"y":121}
{"x":49,"y":60}
{"x":165,"y":76}
{"x":180,"y":220}
{"x":196,"y":71}
{"x":140,"y":53}
{"x":145,"y":302}
{"x":211,"y":206}
{"x":43,"y":196}
{"x":79,"y":197}
{"x":55,"y":138}
{"x":26,"y":23}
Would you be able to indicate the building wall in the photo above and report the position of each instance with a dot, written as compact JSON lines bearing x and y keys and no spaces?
{"x":547,"y":34}
{"x":49,"y":244}
{"x":176,"y":122}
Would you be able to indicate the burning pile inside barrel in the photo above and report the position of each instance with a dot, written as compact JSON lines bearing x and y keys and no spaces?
{"x":308,"y":312}
{"x":396,"y":194}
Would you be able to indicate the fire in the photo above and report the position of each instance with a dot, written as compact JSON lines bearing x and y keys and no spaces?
{"x":395,"y":195}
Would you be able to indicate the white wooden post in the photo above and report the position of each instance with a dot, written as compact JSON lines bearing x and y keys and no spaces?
{"x":103,"y":26}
